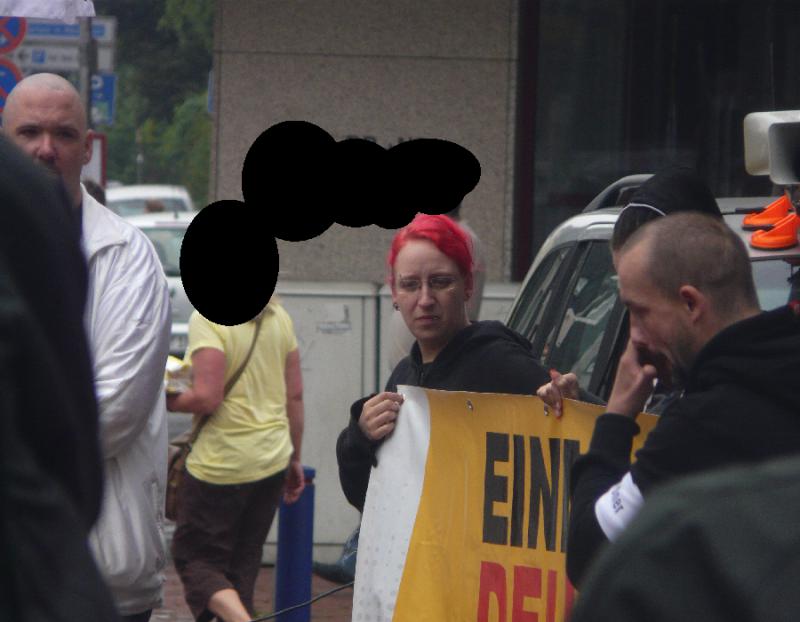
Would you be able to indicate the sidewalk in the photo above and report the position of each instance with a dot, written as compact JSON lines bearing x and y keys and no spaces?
{"x":334,"y":608}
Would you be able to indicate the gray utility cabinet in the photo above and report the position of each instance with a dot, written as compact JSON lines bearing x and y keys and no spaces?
{"x":340,"y":328}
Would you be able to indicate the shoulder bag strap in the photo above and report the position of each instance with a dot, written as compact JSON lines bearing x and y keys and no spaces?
{"x":228,"y":385}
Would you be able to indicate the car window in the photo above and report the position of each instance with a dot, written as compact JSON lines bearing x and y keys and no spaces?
{"x":167,"y":242}
{"x":578,"y":335}
{"x":132,"y":207}
{"x":774,"y":280}
{"x":534,"y":300}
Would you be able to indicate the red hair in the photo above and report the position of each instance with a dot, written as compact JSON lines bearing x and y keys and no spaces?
{"x":444,"y":233}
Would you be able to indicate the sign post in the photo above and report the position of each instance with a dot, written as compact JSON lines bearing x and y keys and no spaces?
{"x":104,"y":87}
{"x":12,"y":32}
{"x":53,"y":46}
{"x":96,"y":167}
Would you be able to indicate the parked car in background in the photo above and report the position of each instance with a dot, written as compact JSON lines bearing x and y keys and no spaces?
{"x":131,"y":200}
{"x":568,"y":305}
{"x":166,"y":230}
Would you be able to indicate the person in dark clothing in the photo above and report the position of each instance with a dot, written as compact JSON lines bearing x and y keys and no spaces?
{"x":39,"y":241}
{"x":688,"y":287}
{"x":715,"y":547}
{"x":671,"y":190}
{"x":430,"y":273}
{"x":50,"y":465}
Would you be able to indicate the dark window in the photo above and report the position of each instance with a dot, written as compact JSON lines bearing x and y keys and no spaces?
{"x":578,"y":333}
{"x":625,"y":86}
{"x":537,"y":297}
{"x":776,"y":282}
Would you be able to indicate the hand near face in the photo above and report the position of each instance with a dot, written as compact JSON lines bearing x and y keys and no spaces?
{"x":633,"y":383}
{"x":559,"y":387}
{"x":664,"y":371}
{"x":379,"y":414}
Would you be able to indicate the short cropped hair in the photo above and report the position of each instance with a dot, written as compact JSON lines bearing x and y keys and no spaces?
{"x":444,"y":233}
{"x":702,"y":251}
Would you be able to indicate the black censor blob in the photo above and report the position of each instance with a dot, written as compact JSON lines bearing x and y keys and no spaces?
{"x":229,"y":262}
{"x":296,"y":182}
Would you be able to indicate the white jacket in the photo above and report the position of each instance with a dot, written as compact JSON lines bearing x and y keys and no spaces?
{"x":128,"y":323}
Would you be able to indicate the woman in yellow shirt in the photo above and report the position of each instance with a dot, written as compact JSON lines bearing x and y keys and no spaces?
{"x":246,"y":455}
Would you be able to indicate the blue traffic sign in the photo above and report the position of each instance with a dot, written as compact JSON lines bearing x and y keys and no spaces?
{"x":104,"y":88}
{"x":9,"y":76}
{"x":12,"y":32}
{"x":57,"y":30}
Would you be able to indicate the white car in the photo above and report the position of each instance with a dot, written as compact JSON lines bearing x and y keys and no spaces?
{"x":131,"y":200}
{"x":166,"y":230}
{"x":568,"y":305}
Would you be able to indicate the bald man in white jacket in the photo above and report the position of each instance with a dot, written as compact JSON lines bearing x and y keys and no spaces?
{"x":127,"y":320}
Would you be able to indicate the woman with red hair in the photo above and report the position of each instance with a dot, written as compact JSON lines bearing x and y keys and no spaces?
{"x":431,"y":276}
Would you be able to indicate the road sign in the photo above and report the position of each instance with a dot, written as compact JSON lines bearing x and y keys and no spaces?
{"x":104,"y":30}
{"x":95,"y":169}
{"x":9,"y":76}
{"x":104,"y":87}
{"x":32,"y":57}
{"x":12,"y":32}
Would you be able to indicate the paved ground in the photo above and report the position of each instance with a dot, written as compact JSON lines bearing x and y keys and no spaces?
{"x":334,"y":608}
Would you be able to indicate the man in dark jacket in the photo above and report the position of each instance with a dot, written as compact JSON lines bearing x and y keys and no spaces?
{"x":50,"y":469}
{"x":484,"y":357}
{"x":719,"y":546}
{"x":45,"y":271}
{"x":687,"y":283}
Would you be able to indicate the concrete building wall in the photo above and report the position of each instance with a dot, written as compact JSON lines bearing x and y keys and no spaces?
{"x":391,"y":71}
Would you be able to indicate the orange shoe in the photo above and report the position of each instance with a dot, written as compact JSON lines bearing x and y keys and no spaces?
{"x":767,"y":217}
{"x":782,"y":235}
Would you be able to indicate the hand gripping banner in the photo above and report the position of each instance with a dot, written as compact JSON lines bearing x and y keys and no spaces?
{"x":465,"y":514}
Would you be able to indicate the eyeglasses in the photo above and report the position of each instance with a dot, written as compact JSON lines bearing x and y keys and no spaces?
{"x":438,"y":283}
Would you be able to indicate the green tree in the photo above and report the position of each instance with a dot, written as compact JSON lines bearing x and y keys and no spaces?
{"x":163,"y":62}
{"x":186,"y":144}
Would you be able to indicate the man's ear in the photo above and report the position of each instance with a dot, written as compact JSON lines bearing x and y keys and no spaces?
{"x":87,"y":147}
{"x":694,"y":302}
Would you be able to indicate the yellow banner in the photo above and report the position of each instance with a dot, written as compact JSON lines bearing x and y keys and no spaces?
{"x":489,"y":538}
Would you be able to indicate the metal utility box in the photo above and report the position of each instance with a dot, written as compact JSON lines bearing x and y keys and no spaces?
{"x":335,"y":325}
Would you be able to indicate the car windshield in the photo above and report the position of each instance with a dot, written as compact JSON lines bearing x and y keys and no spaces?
{"x":167,"y":241}
{"x":776,"y":280}
{"x":131,"y":207}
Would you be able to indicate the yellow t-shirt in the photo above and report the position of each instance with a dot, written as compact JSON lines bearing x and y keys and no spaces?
{"x":247,"y":437}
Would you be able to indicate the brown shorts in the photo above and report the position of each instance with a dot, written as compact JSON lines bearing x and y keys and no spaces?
{"x":219,"y":534}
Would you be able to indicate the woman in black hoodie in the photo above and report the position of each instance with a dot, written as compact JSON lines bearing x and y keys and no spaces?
{"x":430,"y":269}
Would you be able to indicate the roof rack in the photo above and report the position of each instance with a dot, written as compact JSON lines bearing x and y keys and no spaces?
{"x":611,"y":195}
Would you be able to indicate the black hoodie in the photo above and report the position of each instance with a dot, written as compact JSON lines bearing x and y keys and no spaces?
{"x":484,"y":357}
{"x":741,"y":405}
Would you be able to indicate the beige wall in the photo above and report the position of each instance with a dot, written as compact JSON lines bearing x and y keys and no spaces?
{"x":390,"y":70}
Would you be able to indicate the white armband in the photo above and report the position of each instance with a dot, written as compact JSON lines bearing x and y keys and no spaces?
{"x":618,"y":506}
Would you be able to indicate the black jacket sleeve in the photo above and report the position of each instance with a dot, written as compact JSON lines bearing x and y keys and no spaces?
{"x":355,"y":454}
{"x":593,"y":473}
